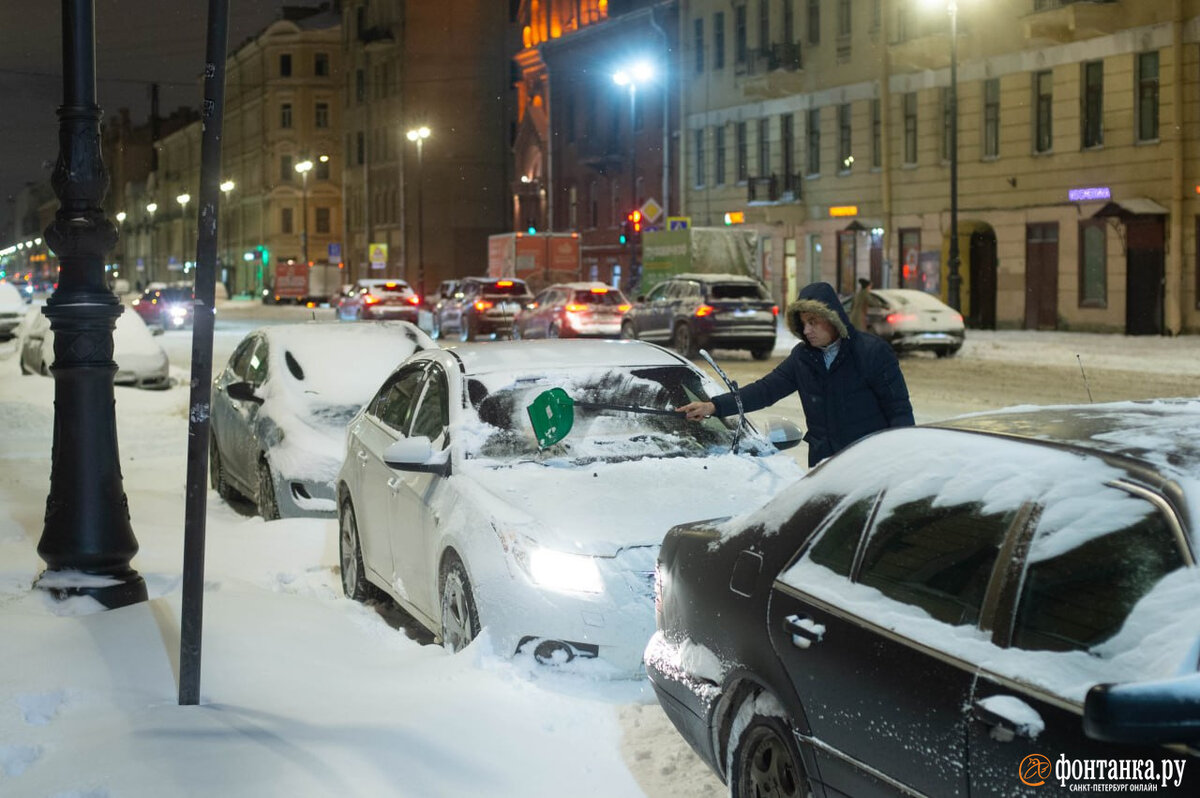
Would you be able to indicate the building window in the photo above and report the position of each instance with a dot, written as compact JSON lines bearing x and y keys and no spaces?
{"x":764,"y":147}
{"x":285,"y":65}
{"x":843,"y":18}
{"x":742,"y":155}
{"x":1093,"y":104}
{"x":322,"y":220}
{"x":814,"y":21}
{"x":360,"y":149}
{"x":739,"y":35}
{"x":1093,"y":264}
{"x":699,"y":138}
{"x":321,"y":65}
{"x":991,"y":118}
{"x":910,"y":127}
{"x":360,"y":86}
{"x":321,"y":115}
{"x":285,"y":220}
{"x":764,"y":24}
{"x":285,"y":168}
{"x":719,"y":154}
{"x":845,"y":157}
{"x":787,"y":146}
{"x":698,"y":43}
{"x":947,"y":124}
{"x":1043,"y":104}
{"x":719,"y":40}
{"x":285,"y":115}
{"x":1147,"y":100}
{"x":789,"y":22}
{"x":814,"y":141}
{"x":876,"y":134}
{"x":594,"y":205}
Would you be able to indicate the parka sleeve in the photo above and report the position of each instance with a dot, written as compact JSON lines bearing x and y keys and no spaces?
{"x":890,"y":389}
{"x":764,"y":392}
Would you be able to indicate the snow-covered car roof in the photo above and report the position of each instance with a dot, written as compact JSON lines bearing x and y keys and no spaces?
{"x":910,"y":296}
{"x":558,"y":354}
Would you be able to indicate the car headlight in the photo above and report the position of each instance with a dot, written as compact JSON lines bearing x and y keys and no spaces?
{"x":554,"y":570}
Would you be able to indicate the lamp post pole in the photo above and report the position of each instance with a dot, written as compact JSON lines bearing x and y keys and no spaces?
{"x":183,"y":199}
{"x":121,"y":216}
{"x":150,"y":271}
{"x":87,"y":541}
{"x":640,"y":72}
{"x":226,"y":187}
{"x":418,"y":136}
{"x":954,"y":282}
{"x":304,"y":167}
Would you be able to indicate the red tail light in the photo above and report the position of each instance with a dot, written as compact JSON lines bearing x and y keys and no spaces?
{"x":573,"y":308}
{"x":414,"y":300}
{"x":483,"y":304}
{"x":897,"y":318}
{"x":705,"y":310}
{"x":774,"y":310}
{"x":599,"y":290}
{"x":958,"y":317}
{"x":504,"y":284}
{"x":370,"y":299}
{"x":624,"y":308}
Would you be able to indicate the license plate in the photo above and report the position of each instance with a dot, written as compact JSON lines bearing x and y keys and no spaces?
{"x":743,"y":314}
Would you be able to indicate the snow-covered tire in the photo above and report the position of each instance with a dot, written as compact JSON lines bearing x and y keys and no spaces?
{"x":460,"y":618}
{"x":628,"y":332}
{"x":268,"y":505}
{"x":354,"y":575}
{"x":216,"y":472}
{"x":763,"y":759}
{"x":683,"y":341}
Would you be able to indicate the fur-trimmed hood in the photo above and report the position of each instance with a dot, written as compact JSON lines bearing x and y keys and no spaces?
{"x":821,"y":299}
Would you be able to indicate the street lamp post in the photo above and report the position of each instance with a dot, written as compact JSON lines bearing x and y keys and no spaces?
{"x":121,"y":216}
{"x":304,"y":167}
{"x":227,"y":262}
{"x":954,"y":278}
{"x":150,"y":209}
{"x":639,"y":72}
{"x":183,"y":199}
{"x":87,"y":541}
{"x":418,"y":135}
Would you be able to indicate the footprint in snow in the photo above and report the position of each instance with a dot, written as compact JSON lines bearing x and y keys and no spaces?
{"x":14,"y":759}
{"x":40,"y":708}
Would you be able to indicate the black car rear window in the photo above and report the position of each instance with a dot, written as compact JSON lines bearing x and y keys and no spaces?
{"x":736,"y":291}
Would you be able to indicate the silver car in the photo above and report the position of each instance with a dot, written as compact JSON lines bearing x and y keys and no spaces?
{"x":280,"y":408}
{"x":912,"y":320}
{"x":141,"y":360}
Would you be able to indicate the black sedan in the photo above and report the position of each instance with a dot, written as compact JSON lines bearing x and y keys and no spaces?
{"x":993,"y":618}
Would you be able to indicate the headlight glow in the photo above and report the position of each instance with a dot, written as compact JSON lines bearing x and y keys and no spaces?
{"x":568,"y":572}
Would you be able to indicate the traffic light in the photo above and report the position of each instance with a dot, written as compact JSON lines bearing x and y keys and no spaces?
{"x":631,"y":228}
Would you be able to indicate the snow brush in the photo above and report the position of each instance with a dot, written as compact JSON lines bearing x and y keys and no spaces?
{"x":552,"y":414}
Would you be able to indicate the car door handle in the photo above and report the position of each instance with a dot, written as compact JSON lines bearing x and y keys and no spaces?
{"x":362,"y":456}
{"x":394,"y":484}
{"x":1005,"y":729}
{"x":804,"y":630}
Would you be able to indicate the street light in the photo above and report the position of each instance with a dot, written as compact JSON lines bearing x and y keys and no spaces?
{"x":183,"y":199}
{"x":954,"y":280}
{"x":631,"y":76}
{"x":304,"y":167}
{"x":418,"y":135}
{"x":150,"y":209}
{"x":226,"y":187}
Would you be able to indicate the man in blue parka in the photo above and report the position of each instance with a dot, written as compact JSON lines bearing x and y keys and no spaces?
{"x":849,"y":381}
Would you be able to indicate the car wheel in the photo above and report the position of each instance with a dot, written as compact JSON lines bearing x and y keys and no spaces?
{"x":765,"y":760}
{"x":460,"y":619}
{"x":948,"y":351}
{"x":761,"y":352}
{"x":435,"y":327}
{"x":683,"y":341}
{"x":465,"y":333}
{"x":268,"y":506}
{"x":554,"y":331}
{"x":354,"y":575}
{"x":216,"y":472}
{"x":627,"y":331}
{"x":516,"y":332}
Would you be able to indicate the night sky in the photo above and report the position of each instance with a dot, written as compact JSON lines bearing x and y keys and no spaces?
{"x":138,"y":42}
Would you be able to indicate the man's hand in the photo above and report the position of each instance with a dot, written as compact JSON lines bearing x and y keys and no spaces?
{"x":695,"y":411}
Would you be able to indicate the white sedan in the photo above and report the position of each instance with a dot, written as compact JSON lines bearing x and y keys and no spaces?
{"x":912,"y":320}
{"x":141,"y":360}
{"x":449,"y":505}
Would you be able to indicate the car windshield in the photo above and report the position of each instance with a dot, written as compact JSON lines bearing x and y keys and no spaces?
{"x":598,"y":297}
{"x":737,"y":291}
{"x":505,"y":434}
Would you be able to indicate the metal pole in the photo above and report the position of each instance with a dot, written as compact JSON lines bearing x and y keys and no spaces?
{"x":633,"y":240}
{"x":196,"y":502}
{"x":304,"y":212}
{"x":420,"y":219}
{"x":955,"y":281}
{"x":87,"y":541}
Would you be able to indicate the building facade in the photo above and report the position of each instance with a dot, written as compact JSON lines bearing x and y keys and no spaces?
{"x":828,"y":124}
{"x":421,"y":209}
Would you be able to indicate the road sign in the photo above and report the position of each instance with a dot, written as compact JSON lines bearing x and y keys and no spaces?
{"x":679,"y":222}
{"x":335,"y":253}
{"x":651,"y":210}
{"x":378,"y":254}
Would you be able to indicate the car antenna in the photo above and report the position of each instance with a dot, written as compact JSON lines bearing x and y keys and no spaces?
{"x":737,"y":397}
{"x":1085,"y":380}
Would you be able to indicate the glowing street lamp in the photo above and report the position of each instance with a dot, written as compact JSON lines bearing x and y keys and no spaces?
{"x":954,"y":279}
{"x":226,"y":187}
{"x":418,"y":136}
{"x":630,"y":77}
{"x":304,"y":167}
{"x":151,"y":207}
{"x":183,"y":199}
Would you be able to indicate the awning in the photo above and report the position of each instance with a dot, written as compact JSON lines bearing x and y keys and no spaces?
{"x":1128,"y":208}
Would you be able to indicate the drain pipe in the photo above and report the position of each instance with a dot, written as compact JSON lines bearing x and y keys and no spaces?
{"x":1173,"y":289}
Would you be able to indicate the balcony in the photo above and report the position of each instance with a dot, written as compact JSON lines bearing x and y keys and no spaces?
{"x":1065,"y":21}
{"x":774,"y":71}
{"x":774,"y":188}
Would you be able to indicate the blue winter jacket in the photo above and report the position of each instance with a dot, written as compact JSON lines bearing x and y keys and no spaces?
{"x":861,"y":392}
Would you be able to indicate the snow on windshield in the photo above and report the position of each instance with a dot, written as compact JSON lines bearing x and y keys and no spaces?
{"x":505,"y":434}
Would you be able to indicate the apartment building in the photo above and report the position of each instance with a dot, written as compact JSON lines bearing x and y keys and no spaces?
{"x":827,"y":124}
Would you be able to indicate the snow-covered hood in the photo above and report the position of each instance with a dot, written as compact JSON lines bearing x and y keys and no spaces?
{"x":604,"y":507}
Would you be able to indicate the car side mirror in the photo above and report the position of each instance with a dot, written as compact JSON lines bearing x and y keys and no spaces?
{"x":417,"y":454}
{"x":1164,"y":711}
{"x":782,"y":433}
{"x":243,"y":391}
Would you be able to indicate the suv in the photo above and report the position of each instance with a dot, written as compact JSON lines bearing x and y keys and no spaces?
{"x":691,"y":311}
{"x":380,"y":299}
{"x":481,"y":306}
{"x":573,"y":310}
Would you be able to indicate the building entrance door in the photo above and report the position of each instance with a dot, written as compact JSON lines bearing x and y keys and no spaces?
{"x":981,"y":300}
{"x":1144,"y":273}
{"x":1041,"y":276}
